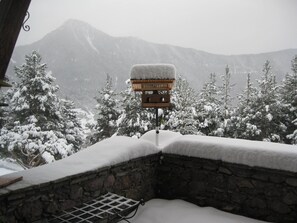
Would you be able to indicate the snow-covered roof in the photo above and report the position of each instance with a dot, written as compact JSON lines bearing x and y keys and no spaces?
{"x":153,"y":72}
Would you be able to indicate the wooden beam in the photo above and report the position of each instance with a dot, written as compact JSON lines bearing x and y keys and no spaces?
{"x":12,"y":14}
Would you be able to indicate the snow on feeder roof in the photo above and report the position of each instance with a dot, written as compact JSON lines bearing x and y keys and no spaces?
{"x":153,"y":72}
{"x":151,"y":77}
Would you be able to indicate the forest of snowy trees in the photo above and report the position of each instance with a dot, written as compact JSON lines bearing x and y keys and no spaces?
{"x":39,"y":127}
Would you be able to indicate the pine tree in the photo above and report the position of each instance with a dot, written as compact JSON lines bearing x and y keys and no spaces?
{"x":265,"y":109}
{"x":289,"y":103}
{"x":35,"y":93}
{"x":228,"y":117}
{"x":107,"y":112}
{"x":134,"y":120}
{"x":243,"y":127}
{"x":33,"y":132}
{"x":71,"y":125}
{"x":226,"y":92}
{"x":182,"y":117}
{"x":208,"y":107}
{"x":3,"y":109}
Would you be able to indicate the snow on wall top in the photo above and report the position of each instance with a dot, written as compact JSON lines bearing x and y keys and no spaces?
{"x":239,"y":151}
{"x":152,"y":71}
{"x":165,"y":137}
{"x":102,"y":154}
{"x":121,"y":148}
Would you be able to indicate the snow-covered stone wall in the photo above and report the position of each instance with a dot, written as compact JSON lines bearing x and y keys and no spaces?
{"x":256,"y":192}
{"x":251,"y":153}
{"x":120,"y":165}
{"x":254,"y":179}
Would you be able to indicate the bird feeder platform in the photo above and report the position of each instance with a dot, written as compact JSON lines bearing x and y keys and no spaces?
{"x":152,"y":85}
{"x":155,"y":81}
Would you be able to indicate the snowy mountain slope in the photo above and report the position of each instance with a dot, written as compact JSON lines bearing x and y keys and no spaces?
{"x":80,"y":56}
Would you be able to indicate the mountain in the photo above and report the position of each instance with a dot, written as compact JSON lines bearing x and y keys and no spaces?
{"x":80,"y":56}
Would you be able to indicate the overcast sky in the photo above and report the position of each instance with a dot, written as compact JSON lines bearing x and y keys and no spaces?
{"x":216,"y":26}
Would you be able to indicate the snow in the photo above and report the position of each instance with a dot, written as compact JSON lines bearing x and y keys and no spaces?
{"x":165,"y":137}
{"x":251,"y":153}
{"x":153,"y":71}
{"x":8,"y":166}
{"x":102,"y":154}
{"x":4,"y":171}
{"x":106,"y":97}
{"x":207,"y":108}
{"x":269,"y":117}
{"x":89,"y":40}
{"x":119,"y":149}
{"x":177,"y":211}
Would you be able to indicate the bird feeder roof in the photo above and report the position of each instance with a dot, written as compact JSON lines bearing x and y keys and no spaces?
{"x":153,"y":72}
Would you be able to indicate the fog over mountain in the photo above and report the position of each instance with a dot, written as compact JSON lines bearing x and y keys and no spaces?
{"x":80,"y":56}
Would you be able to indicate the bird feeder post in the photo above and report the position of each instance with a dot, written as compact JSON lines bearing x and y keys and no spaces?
{"x":154,"y":81}
{"x":157,"y":127}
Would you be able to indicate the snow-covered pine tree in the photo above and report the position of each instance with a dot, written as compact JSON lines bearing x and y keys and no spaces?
{"x":228,"y":114}
{"x":289,"y":103}
{"x":134,"y":120}
{"x":266,"y":108}
{"x":183,"y":116}
{"x":33,"y":133}
{"x":225,"y":90}
{"x":243,"y":127}
{"x":3,"y":109}
{"x":71,"y":125}
{"x":208,"y":107}
{"x":4,"y":116}
{"x":108,"y":112}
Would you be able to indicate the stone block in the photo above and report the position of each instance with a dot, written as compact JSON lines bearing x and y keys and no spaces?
{"x":94,"y":184}
{"x":51,"y":208}
{"x":244,"y":183}
{"x":260,"y":176}
{"x":292,"y":182}
{"x":110,"y":180}
{"x":197,"y":188}
{"x":67,"y":204}
{"x":280,"y":207}
{"x":238,"y":197}
{"x":290,"y":198}
{"x":76,"y":192}
{"x":277,"y":178}
{"x":256,"y":202}
{"x":225,"y":171}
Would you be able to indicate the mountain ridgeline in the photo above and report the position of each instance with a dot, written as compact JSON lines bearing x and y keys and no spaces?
{"x":80,"y":56}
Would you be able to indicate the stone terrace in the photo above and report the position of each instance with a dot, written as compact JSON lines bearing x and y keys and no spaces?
{"x":138,"y":169}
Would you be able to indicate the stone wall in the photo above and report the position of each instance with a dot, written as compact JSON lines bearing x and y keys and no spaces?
{"x":134,"y":179}
{"x":260,"y":193}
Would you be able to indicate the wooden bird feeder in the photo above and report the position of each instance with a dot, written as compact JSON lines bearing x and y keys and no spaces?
{"x":155,"y":81}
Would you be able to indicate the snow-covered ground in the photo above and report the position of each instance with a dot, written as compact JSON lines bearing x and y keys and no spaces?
{"x":178,"y":211}
{"x":8,"y":166}
{"x":4,"y":171}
